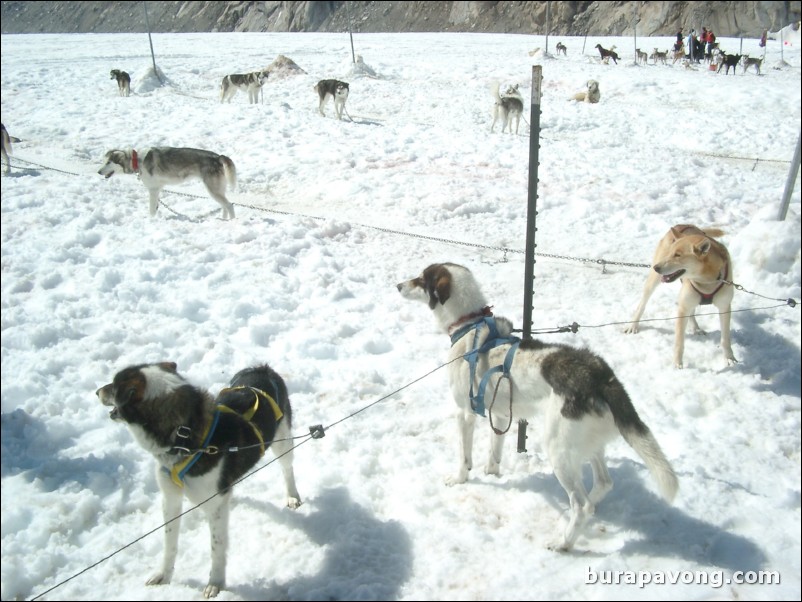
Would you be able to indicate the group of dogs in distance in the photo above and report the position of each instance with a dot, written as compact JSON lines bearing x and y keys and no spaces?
{"x":715,"y":56}
{"x":252,"y":83}
{"x":581,"y":403}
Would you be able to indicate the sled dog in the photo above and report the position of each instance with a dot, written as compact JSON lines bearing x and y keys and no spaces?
{"x":704,"y":265}
{"x":584,"y":406}
{"x":203,"y":446}
{"x":507,"y":108}
{"x":158,"y":167}
{"x":335,"y":89}
{"x":591,"y":95}
{"x":123,"y":82}
{"x":246,"y":82}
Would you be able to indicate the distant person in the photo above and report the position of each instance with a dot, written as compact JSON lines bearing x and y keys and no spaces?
{"x":711,"y":40}
{"x":678,"y":43}
{"x":691,"y":43}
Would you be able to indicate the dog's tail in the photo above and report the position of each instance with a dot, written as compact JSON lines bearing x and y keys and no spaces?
{"x":713,"y":232}
{"x":640,"y":438}
{"x":230,"y":170}
{"x":494,"y":88}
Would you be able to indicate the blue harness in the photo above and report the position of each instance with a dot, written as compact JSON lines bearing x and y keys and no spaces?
{"x":472,"y":357}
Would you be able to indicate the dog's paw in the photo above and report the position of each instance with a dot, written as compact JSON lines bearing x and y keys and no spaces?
{"x":457,"y":479}
{"x":211,"y":590}
{"x":158,"y":579}
{"x":559,"y":546}
{"x":493,"y":468}
{"x":731,"y":361}
{"x":632,"y":329}
{"x":293,"y":503}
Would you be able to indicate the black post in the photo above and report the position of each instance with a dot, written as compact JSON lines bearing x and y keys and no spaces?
{"x":152,"y":56}
{"x":531,"y":212}
{"x":350,"y":31}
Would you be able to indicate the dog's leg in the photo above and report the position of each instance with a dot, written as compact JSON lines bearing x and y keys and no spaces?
{"x":320,"y":106}
{"x":172,"y":497}
{"x":154,"y":200}
{"x":558,"y":434}
{"x":602,"y":482}
{"x":652,"y":280}
{"x":228,"y":208}
{"x":282,"y":448}
{"x":493,"y":465}
{"x":723,"y":303}
{"x":688,"y":300}
{"x":466,"y":421}
{"x":217,"y":512}
{"x":495,"y":117}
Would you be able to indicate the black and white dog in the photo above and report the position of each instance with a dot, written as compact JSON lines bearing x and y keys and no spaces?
{"x":508,"y":108}
{"x":584,"y":405}
{"x":247,"y":82}
{"x":123,"y":81}
{"x":158,"y":167}
{"x":335,"y":89}
{"x":203,"y":446}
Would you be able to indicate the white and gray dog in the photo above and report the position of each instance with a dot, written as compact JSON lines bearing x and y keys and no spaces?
{"x":247,"y":82}
{"x":508,"y":108}
{"x":158,"y":167}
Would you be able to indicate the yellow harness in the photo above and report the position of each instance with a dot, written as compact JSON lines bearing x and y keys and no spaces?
{"x":179,"y":470}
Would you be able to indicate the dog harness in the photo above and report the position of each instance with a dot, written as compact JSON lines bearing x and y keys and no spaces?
{"x":472,"y":357}
{"x":180,"y":469}
{"x":707,"y":298}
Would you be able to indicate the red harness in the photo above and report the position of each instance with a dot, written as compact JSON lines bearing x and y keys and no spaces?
{"x":707,"y":298}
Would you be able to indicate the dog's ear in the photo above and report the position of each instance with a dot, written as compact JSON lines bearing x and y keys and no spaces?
{"x":702,"y":248}
{"x":169,"y":367}
{"x":438,"y":284}
{"x":676,"y":233}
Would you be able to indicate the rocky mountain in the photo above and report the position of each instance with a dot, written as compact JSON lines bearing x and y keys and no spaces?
{"x":564,"y":18}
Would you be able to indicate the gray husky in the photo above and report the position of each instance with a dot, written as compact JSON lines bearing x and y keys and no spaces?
{"x":164,"y":165}
{"x":508,"y":108}
{"x":335,"y":89}
{"x":584,"y":406}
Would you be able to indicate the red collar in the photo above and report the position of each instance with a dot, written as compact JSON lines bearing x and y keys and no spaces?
{"x":134,"y":161}
{"x":485,"y":311}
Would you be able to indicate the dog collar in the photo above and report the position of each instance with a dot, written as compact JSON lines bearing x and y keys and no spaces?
{"x":134,"y":161}
{"x":486,"y":311}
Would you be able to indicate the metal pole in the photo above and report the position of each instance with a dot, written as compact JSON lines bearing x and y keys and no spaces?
{"x":531,"y":212}
{"x":350,"y":30}
{"x":635,"y":31}
{"x":790,"y":181}
{"x":548,"y":19}
{"x":152,"y":56}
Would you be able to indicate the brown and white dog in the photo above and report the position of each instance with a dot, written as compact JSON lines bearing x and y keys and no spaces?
{"x":203,"y":446}
{"x":705,"y":268}
{"x":642,"y":56}
{"x":335,"y":89}
{"x":160,"y":166}
{"x":582,"y":403}
{"x":660,"y":56}
{"x":123,"y":82}
{"x":246,"y":82}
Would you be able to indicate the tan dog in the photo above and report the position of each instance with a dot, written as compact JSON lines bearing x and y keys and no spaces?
{"x":642,"y":56}
{"x":592,"y":94}
{"x":704,"y":265}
